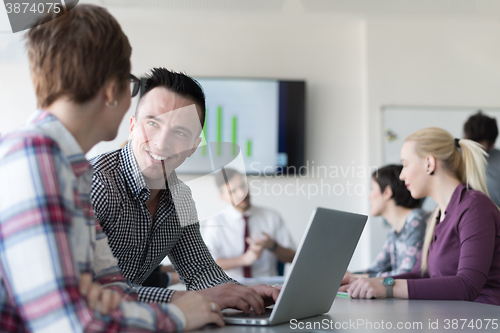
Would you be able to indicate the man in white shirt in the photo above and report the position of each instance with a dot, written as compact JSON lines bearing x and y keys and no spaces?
{"x":246,"y":241}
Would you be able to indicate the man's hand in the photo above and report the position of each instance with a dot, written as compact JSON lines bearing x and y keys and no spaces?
{"x":269,"y":294}
{"x":265,"y":240}
{"x":253,"y":252}
{"x":230,"y":295}
{"x":102,"y":300}
{"x":198,"y":310}
{"x":234,"y":296}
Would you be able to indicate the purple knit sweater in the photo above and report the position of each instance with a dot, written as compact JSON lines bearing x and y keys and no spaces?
{"x":464,"y":256}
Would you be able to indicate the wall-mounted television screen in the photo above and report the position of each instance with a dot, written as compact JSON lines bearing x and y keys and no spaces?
{"x":261,"y":121}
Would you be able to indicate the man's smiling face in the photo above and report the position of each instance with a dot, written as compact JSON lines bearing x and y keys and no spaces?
{"x":165,"y":133}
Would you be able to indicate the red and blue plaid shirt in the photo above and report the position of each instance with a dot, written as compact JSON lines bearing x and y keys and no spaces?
{"x":48,"y":238}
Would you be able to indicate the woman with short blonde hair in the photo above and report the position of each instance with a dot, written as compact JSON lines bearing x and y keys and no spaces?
{"x":461,"y":254}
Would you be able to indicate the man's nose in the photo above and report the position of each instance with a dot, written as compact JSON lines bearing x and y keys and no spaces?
{"x":162,"y":140}
{"x":241,"y":193}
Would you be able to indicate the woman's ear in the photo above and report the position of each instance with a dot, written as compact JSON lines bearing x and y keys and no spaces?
{"x":387,"y":194}
{"x":430,"y":164}
{"x":111,"y":92}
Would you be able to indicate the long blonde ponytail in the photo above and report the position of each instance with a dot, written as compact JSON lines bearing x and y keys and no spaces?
{"x":469,"y":167}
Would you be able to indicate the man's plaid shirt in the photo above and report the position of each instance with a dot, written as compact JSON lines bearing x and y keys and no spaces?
{"x":119,"y":194}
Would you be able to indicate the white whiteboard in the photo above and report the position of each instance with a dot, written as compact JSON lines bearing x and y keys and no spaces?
{"x":398,"y":122}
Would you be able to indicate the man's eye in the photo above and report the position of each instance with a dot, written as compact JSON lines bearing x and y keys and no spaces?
{"x":180,"y":133}
{"x":152,"y":123}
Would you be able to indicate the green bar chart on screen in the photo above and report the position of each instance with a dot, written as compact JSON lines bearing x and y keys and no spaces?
{"x":219,"y":131}
{"x":241,"y":121}
{"x":204,"y":136}
{"x":235,"y":135}
{"x":249,"y":148}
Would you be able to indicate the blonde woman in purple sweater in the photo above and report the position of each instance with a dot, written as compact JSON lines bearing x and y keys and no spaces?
{"x":461,"y":254}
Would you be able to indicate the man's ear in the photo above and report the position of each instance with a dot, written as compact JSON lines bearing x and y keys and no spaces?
{"x":195,"y":146}
{"x":131,"y":126}
{"x":387,"y":194}
{"x":225,"y":195}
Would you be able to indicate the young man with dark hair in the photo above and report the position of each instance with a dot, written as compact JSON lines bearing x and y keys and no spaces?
{"x":147,"y":212}
{"x":246,"y":240}
{"x":484,"y":130}
{"x":178,"y":83}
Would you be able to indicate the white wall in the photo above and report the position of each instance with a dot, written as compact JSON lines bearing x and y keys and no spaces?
{"x":327,"y":53}
{"x":17,"y":96}
{"x":352,"y":66}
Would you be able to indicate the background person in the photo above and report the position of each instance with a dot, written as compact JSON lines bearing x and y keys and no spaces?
{"x":49,"y":250}
{"x":246,"y":240}
{"x":461,"y":254}
{"x":390,"y":199}
{"x":483,"y":129}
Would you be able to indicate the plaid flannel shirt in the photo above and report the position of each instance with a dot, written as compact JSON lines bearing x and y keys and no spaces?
{"x":48,"y":238}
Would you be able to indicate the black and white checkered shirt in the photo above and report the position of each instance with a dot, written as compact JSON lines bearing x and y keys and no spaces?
{"x":119,"y":194}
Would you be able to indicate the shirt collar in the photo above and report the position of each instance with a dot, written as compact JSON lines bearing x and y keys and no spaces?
{"x":52,"y":127}
{"x":456,"y":198}
{"x":135,"y":179}
{"x":133,"y":175}
{"x":457,"y":195}
{"x":238,"y":214}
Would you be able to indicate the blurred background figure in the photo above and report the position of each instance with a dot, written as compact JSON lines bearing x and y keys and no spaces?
{"x":390,"y":199}
{"x":245,"y":240}
{"x":484,"y":130}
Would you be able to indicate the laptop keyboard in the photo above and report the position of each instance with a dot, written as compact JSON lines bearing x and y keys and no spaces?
{"x":252,"y":314}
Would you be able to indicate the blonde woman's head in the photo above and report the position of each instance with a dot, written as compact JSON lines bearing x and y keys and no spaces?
{"x":433,"y":152}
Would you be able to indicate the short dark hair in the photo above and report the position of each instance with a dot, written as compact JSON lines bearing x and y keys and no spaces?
{"x":76,"y":53}
{"x":175,"y":82}
{"x":480,"y":127}
{"x":224,"y":176}
{"x":389,"y":176}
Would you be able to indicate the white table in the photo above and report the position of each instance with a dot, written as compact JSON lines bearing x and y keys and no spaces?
{"x":352,"y":315}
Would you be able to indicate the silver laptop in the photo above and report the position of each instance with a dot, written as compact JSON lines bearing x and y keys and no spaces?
{"x":316,"y":272}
